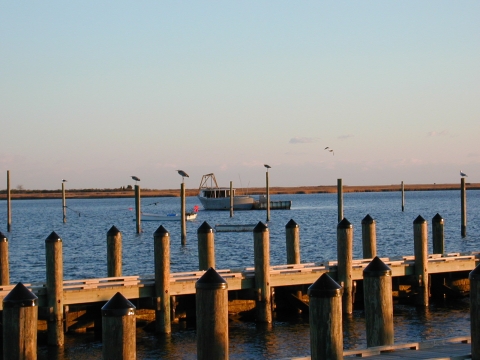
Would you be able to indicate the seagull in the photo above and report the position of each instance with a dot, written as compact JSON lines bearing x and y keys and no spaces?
{"x":326,"y":148}
{"x":135,"y":178}
{"x":331,"y":151}
{"x":63,"y":180}
{"x":267,"y":166}
{"x":463,"y":174}
{"x":183,"y":174}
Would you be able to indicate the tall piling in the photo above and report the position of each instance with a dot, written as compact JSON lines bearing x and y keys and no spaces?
{"x":118,"y":329}
{"x":325,"y":316}
{"x":206,"y":247}
{"x":268,"y":195}
{"x":54,"y":269}
{"x":9,"y":204}
{"x":420,"y":239}
{"x":463,"y":194}
{"x":403,"y":196}
{"x":212,"y":316}
{"x":64,"y":203}
{"x":292,"y":234}
{"x":261,"y":252}
{"x":438,"y":235}
{"x":231,"y":199}
{"x":345,"y":261}
{"x":377,"y":295}
{"x":138,"y":210}
{"x":340,"y":199}
{"x":369,"y":237}
{"x":114,"y":252}
{"x":475,"y":312}
{"x":161,"y":241}
{"x":183,"y":214}
{"x":4,"y":264}
{"x":20,"y":318}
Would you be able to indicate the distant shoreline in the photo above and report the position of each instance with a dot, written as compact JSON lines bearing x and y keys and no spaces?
{"x":122,"y":193}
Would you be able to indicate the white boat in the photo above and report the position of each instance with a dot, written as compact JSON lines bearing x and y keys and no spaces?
{"x":214,"y":197}
{"x":168,"y":217}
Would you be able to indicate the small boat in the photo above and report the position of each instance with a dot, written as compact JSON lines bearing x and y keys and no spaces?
{"x":214,"y":197}
{"x":168,"y":217}
{"x":234,"y":227}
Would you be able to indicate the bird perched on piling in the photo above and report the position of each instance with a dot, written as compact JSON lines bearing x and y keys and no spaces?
{"x":63,"y":180}
{"x":135,"y":178}
{"x":267,"y":166}
{"x":462,"y":174}
{"x":183,"y":174}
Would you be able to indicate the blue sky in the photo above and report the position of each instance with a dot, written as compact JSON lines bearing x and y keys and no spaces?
{"x":95,"y":92}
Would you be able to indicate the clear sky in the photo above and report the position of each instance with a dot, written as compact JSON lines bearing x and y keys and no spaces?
{"x":97,"y":91}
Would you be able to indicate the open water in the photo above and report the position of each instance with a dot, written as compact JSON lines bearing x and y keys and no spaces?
{"x":84,"y":254}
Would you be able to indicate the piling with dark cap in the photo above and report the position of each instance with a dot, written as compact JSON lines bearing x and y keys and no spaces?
{"x":183,"y":210}
{"x":340,"y":199}
{"x":463,"y":203}
{"x":292,"y":233}
{"x":438,"y":236}
{"x":114,"y":252}
{"x":206,"y":247}
{"x":138,"y":210}
{"x":345,"y":261}
{"x":4,"y":265}
{"x":9,"y":204}
{"x":161,"y":243}
{"x":261,"y":252}
{"x":212,"y":316}
{"x":475,"y":311}
{"x":54,"y":269}
{"x":20,"y":317}
{"x":420,"y":239}
{"x":377,"y":293}
{"x":326,"y":335}
{"x":369,"y":237}
{"x":118,"y":329}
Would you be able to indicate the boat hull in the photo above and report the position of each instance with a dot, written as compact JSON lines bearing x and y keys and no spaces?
{"x":172,"y":217}
{"x":239,"y":203}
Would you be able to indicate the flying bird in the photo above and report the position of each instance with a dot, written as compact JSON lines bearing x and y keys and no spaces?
{"x":463,"y":174}
{"x":135,"y":178}
{"x":331,"y":151}
{"x":326,"y":148}
{"x":183,"y":174}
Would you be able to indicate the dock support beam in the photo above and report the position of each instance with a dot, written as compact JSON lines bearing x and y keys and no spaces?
{"x":161,"y":243}
{"x":345,"y":261}
{"x":420,"y":239}
{"x":206,"y":247}
{"x":261,"y":250}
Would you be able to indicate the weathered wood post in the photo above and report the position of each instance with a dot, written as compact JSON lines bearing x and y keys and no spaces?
{"x":4,"y":264}
{"x":183,"y":211}
{"x":212,"y":316}
{"x":475,"y":312}
{"x":20,"y":317}
{"x":161,"y":242}
{"x":261,"y":252}
{"x":9,"y":204}
{"x":326,"y":334}
{"x":403,"y":197}
{"x":292,"y":232}
{"x":438,"y":236}
{"x":369,"y":237}
{"x":420,"y":239}
{"x":231,"y":198}
{"x":206,"y":247}
{"x":64,"y":203}
{"x":118,"y":329}
{"x":345,"y":260}
{"x":463,"y":193}
{"x":54,"y":268}
{"x":138,"y":211}
{"x":114,"y":252}
{"x":268,"y":195}
{"x":377,"y":294}
{"x":340,"y":199}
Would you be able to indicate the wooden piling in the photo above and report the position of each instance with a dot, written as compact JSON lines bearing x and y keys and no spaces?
{"x":420,"y":239}
{"x":345,"y":261}
{"x":231,"y":198}
{"x":403,"y":197}
{"x":4,"y":262}
{"x":138,"y":211}
{"x":463,"y":194}
{"x":475,"y":312}
{"x":261,"y":250}
{"x":340,"y":199}
{"x":377,"y":294}
{"x":118,"y":329}
{"x":325,"y":316}
{"x":206,"y":247}
{"x":268,"y":195}
{"x":114,"y":252}
{"x":54,"y":269}
{"x":183,"y":211}
{"x":292,"y":233}
{"x":64,"y":203}
{"x":9,"y":204}
{"x":438,"y":236}
{"x":20,"y":318}
{"x":212,"y":316}
{"x":161,"y":241}
{"x":369,"y":237}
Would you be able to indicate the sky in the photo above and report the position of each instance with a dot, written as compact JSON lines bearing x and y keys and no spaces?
{"x":97,"y":91}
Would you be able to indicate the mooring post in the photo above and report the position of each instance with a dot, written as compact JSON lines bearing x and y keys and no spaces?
{"x":463,"y":194}
{"x":261,"y":252}
{"x":420,"y":239}
{"x":9,"y":204}
{"x":268,"y":195}
{"x":183,"y":211}
{"x":340,"y":199}
{"x":206,"y":247}
{"x":438,"y":236}
{"x":403,"y":197}
{"x":377,"y":295}
{"x":161,"y":243}
{"x":118,"y":329}
{"x":20,"y":318}
{"x":114,"y":252}
{"x":475,"y":312}
{"x":54,"y":268}
{"x":369,"y":237}
{"x":325,"y":316}
{"x":345,"y":261}
{"x":212,"y":316}
{"x":231,"y":198}
{"x":138,"y":211}
{"x":292,"y":233}
{"x":64,"y":203}
{"x":4,"y":264}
